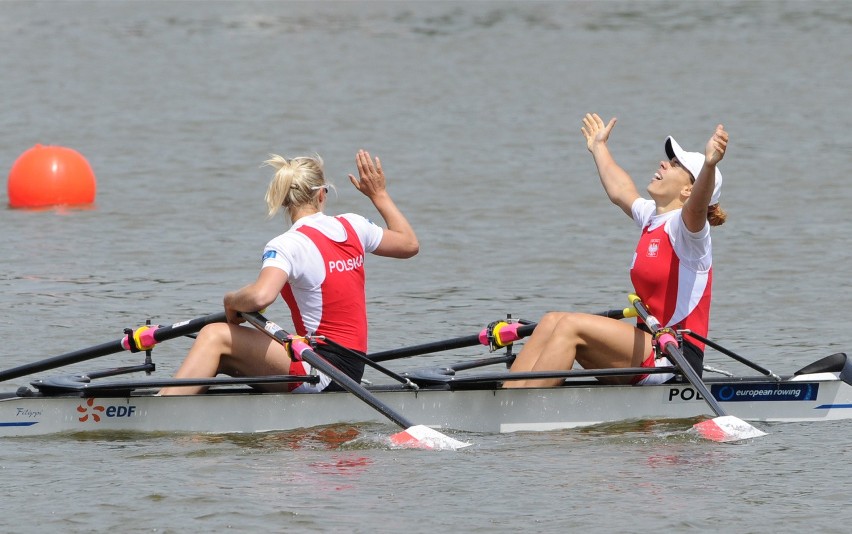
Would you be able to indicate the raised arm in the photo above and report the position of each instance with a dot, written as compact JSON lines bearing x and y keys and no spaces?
{"x":399,"y":239}
{"x":617,"y":183}
{"x":694,"y":211}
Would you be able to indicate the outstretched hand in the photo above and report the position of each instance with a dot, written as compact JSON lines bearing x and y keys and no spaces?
{"x":371,"y":179}
{"x":716,"y":146}
{"x":595,"y":130}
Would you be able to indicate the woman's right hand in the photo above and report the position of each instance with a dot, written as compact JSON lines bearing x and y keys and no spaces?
{"x":595,"y":130}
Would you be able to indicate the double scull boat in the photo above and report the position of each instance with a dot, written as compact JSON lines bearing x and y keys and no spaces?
{"x":455,"y":398}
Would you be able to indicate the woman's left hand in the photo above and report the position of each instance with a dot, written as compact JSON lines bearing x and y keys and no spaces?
{"x":372,"y":177}
{"x":716,"y":146}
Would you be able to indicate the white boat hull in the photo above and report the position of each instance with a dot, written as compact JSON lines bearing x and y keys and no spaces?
{"x":813,"y":397}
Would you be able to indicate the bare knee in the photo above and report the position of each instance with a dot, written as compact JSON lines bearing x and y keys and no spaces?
{"x":567,"y":323}
{"x":551,"y":320}
{"x":215,"y":335}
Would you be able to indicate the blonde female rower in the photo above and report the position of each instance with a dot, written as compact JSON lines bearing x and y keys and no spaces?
{"x":317,"y":266}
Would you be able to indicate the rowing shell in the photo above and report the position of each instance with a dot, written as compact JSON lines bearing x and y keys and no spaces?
{"x":803,"y":397}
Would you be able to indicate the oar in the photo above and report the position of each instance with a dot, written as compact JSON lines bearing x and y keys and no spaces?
{"x":143,"y":338}
{"x":501,"y":331}
{"x":732,"y":354}
{"x":367,"y":361}
{"x":723,"y":427}
{"x":412,"y":436}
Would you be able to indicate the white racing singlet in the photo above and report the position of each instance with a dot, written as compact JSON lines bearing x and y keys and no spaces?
{"x":324,"y":260}
{"x":671,"y":270}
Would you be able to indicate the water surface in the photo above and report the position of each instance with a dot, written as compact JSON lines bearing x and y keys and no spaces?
{"x":475,"y":109}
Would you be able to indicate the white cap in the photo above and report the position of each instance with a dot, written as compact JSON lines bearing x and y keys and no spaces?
{"x":693,"y":162}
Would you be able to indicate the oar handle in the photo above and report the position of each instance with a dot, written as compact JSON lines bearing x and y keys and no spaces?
{"x":502,"y":333}
{"x":163,"y":333}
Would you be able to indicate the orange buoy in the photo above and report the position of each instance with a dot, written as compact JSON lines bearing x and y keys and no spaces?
{"x":50,"y":176}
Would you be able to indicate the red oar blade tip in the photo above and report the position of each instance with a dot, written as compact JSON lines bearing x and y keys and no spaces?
{"x":423,"y":437}
{"x":727,"y":428}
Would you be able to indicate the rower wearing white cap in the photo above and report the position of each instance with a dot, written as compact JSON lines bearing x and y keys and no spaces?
{"x":671,"y":269}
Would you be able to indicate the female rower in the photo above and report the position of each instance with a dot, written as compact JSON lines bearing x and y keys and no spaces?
{"x":671,"y":270}
{"x":317,"y":266}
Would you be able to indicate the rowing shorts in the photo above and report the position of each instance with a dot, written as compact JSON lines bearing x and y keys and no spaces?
{"x":659,"y":378}
{"x":337,"y":357}
{"x":693,"y":355}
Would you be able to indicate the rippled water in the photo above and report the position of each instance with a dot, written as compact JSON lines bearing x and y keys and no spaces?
{"x":474,"y":108}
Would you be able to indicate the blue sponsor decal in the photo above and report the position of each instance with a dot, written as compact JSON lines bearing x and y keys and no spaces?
{"x":268,"y":254}
{"x":23,"y":423}
{"x":763,"y":391}
{"x":832,"y":406}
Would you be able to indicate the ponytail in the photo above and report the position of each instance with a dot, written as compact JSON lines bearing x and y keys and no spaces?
{"x":294,"y":184}
{"x":716,"y":216}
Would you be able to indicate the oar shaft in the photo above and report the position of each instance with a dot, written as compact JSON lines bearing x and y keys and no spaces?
{"x":160,"y":334}
{"x":368,"y":361}
{"x":466,"y":341}
{"x":426,"y":348}
{"x":323,"y":365}
{"x":439,"y":346}
{"x":733,"y":355}
{"x":65,"y":359}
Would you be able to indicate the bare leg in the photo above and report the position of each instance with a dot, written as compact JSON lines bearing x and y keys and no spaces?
{"x":531,"y":351}
{"x":595,"y":342}
{"x":233,"y":350}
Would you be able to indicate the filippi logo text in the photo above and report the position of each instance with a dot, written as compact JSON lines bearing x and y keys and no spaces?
{"x":91,"y":410}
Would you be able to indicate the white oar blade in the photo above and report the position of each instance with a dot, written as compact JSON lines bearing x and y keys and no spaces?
{"x":423,"y":437}
{"x":727,"y":428}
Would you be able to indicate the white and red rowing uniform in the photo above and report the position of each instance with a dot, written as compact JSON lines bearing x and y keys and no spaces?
{"x":323,"y":257}
{"x":672,"y":273}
